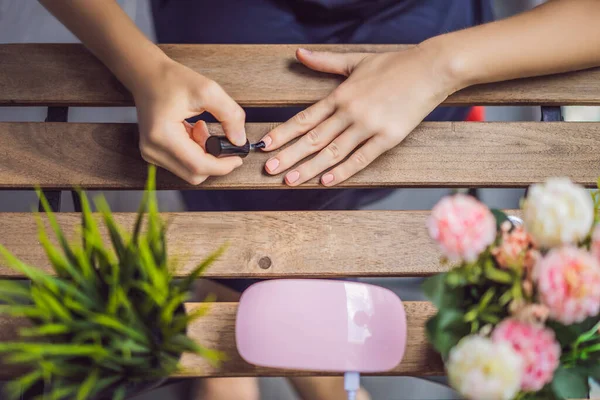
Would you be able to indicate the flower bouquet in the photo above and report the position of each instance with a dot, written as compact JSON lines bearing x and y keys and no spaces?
{"x":110,"y":321}
{"x":518,"y":311}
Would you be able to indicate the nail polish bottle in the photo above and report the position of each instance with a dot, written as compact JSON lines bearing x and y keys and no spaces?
{"x":220,"y":146}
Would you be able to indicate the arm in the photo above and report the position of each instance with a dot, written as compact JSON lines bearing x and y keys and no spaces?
{"x":387,"y":95}
{"x":165,"y":92}
{"x":559,"y":36}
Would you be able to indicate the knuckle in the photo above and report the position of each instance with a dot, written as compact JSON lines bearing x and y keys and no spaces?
{"x":302,"y":117}
{"x":313,"y":137}
{"x":333,"y":150}
{"x":360,"y":159}
{"x":152,"y":139}
{"x":210,"y":88}
{"x":148,"y":153}
{"x":238,"y":114}
{"x":146,"y":156}
{"x":196,"y":179}
{"x":338,"y":96}
{"x":196,"y":170}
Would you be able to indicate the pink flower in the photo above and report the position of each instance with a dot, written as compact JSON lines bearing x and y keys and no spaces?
{"x":512,"y":251}
{"x":595,"y":247}
{"x":529,"y":313}
{"x":462,"y":226}
{"x":568,"y":282}
{"x":536,"y":345}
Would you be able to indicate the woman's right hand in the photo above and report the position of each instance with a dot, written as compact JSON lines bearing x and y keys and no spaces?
{"x":163,"y":102}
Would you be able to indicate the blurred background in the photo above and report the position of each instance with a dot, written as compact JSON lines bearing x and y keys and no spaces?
{"x":25,"y":21}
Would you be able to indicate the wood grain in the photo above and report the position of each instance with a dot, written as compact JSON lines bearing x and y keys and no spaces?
{"x":67,"y":74}
{"x":217,"y":331}
{"x":297,"y":244}
{"x":436,"y":154}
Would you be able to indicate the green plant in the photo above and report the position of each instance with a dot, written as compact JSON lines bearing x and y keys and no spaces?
{"x":106,"y":318}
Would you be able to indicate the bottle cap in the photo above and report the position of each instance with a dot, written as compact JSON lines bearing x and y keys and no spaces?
{"x":220,"y":146}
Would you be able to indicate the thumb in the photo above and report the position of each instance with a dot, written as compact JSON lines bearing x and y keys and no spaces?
{"x":231,"y":116}
{"x":333,"y":63}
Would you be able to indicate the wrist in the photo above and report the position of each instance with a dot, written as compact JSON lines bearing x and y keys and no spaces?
{"x":145,"y":68}
{"x":450,"y":63}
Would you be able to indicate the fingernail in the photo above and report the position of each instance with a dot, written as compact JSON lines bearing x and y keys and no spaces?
{"x":268,"y":141}
{"x":305,"y":51}
{"x":327,"y":178}
{"x":272,"y":164}
{"x":292,"y":176}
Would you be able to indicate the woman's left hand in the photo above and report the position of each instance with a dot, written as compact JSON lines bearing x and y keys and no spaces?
{"x":384,"y":98}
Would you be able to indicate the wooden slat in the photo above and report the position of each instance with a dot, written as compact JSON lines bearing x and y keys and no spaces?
{"x":67,"y":74}
{"x":437,"y":154}
{"x":217,"y":331}
{"x":297,"y":244}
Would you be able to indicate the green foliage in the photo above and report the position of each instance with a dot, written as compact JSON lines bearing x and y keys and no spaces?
{"x":570,"y":383}
{"x":470,"y":296}
{"x":596,"y":199}
{"x":109,"y":317}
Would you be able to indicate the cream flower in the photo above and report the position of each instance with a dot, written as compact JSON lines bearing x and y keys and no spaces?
{"x":480,"y":369}
{"x":558,"y":212}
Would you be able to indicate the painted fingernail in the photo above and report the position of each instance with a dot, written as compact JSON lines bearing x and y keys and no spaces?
{"x":292,"y":176}
{"x":272,"y":164}
{"x":327,"y":178}
{"x":268,"y":141}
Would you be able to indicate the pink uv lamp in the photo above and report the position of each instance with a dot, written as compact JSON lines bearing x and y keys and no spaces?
{"x":321,"y":325}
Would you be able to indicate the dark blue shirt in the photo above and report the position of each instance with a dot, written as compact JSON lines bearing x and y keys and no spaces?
{"x":306,"y":22}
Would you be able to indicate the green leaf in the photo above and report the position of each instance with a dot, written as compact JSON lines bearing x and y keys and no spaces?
{"x":32,"y":273}
{"x":180,"y":322}
{"x":87,"y":387}
{"x":16,"y":289}
{"x":113,"y":230}
{"x":55,"y":227}
{"x":187,"y":282}
{"x":446,"y":329}
{"x":118,"y":326}
{"x":66,"y":392}
{"x":120,"y":393}
{"x":570,"y":383}
{"x":22,"y":384}
{"x":495,"y":274}
{"x":106,"y":382}
{"x":500,"y":217}
{"x":166,"y":314}
{"x":44,"y":330}
{"x":61,"y":265}
{"x":43,"y":297}
{"x":21,"y":311}
{"x":439,"y":293}
{"x":51,"y":349}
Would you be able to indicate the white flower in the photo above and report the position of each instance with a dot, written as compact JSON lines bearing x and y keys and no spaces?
{"x":480,"y":369}
{"x":558,"y":212}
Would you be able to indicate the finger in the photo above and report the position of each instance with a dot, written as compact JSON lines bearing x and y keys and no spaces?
{"x":196,"y":161}
{"x":313,"y":141}
{"x":200,"y":133}
{"x":333,"y":63}
{"x":231,"y":116}
{"x":301,"y":123}
{"x":331,"y":155}
{"x":164,"y":160}
{"x":362,"y":157}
